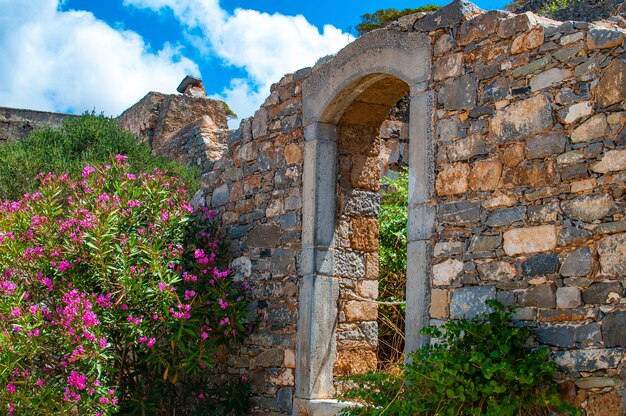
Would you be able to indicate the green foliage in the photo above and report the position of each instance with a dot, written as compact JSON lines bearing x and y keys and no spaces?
{"x":381,"y":18}
{"x":392,"y":261}
{"x":88,"y":139}
{"x":481,"y":366}
{"x":553,"y":6}
{"x":393,"y":223}
{"x":230,"y":114}
{"x":112,"y":296}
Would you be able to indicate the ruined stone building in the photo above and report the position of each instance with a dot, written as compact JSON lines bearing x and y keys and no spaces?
{"x":516,"y":148}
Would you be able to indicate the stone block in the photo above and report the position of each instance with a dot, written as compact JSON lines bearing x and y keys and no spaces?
{"x":293,"y":154}
{"x":448,"y":129}
{"x":270,"y":358}
{"x":448,"y":248}
{"x":459,"y":94}
{"x":602,"y":293}
{"x":596,"y":383}
{"x":496,"y":90}
{"x":264,"y":235}
{"x":603,"y":38}
{"x":573,"y":236}
{"x":485,"y":175}
{"x":568,"y":297}
{"x":448,"y":66}
{"x":466,"y":148}
{"x":468,"y":302}
{"x":506,"y":216}
{"x":349,"y":264}
{"x":594,"y":359}
{"x":591,"y":129}
{"x":357,"y":310}
{"x":542,"y":146}
{"x":284,"y":399}
{"x":612,"y":86}
{"x":421,"y":221}
{"x":587,"y":335}
{"x":367,"y":289}
{"x":497,"y":271}
{"x":443,"y":44}
{"x":576,"y":111}
{"x":614,"y":329}
{"x":588,"y":208}
{"x":483,"y":243}
{"x":365,"y":173}
{"x":544,"y":213}
{"x":462,"y":212}
{"x":530,"y":239}
{"x":453,"y":179}
{"x":513,"y":155}
{"x":448,"y":16}
{"x":439,"y":304}
{"x":480,"y":27}
{"x":612,"y":250}
{"x":528,"y":40}
{"x":447,"y":272}
{"x":549,"y":78}
{"x":578,"y":263}
{"x":364,"y":234}
{"x":612,"y":161}
{"x":540,"y":265}
{"x":515,"y":24}
{"x":540,"y":296}
{"x":360,"y":202}
{"x":283,"y":262}
{"x":522,"y":118}
{"x":221,"y":196}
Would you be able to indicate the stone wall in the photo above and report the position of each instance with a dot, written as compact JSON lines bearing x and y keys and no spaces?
{"x":531,"y":173}
{"x":514,"y":135}
{"x":183,"y":127}
{"x":257,"y":188}
{"x":530,"y":163}
{"x":15,"y":124}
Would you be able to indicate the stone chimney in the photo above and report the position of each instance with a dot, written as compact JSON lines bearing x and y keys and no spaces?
{"x":192,"y":86}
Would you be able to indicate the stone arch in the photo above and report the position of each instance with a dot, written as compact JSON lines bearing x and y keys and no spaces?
{"x":355,"y":90}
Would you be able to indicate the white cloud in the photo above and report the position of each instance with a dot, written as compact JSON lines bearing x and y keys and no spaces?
{"x":70,"y":61}
{"x":266,"y":46}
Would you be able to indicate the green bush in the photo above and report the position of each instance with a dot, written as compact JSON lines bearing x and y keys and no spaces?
{"x":86,"y":140}
{"x":481,"y":366}
{"x":392,"y":260}
{"x":114,"y":297}
{"x":381,"y":18}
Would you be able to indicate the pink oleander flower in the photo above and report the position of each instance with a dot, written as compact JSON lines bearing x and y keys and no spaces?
{"x":77,"y":380}
{"x":223,"y":304}
{"x":88,"y":170}
{"x":11,"y":388}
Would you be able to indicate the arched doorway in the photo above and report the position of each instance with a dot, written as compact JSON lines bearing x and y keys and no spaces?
{"x":345,"y":101}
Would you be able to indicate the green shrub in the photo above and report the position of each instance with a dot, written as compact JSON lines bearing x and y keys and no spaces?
{"x":481,"y":366}
{"x":113,"y":296}
{"x":381,"y":18}
{"x":85,"y":140}
{"x":392,"y":272}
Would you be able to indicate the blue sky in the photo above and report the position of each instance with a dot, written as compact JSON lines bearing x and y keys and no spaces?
{"x":83,"y":55}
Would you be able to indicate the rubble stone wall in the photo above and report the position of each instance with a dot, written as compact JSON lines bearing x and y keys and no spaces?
{"x":530,"y":162}
{"x":16,"y":124}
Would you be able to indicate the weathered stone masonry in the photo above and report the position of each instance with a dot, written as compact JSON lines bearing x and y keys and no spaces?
{"x":516,"y":148}
{"x":517,"y":163}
